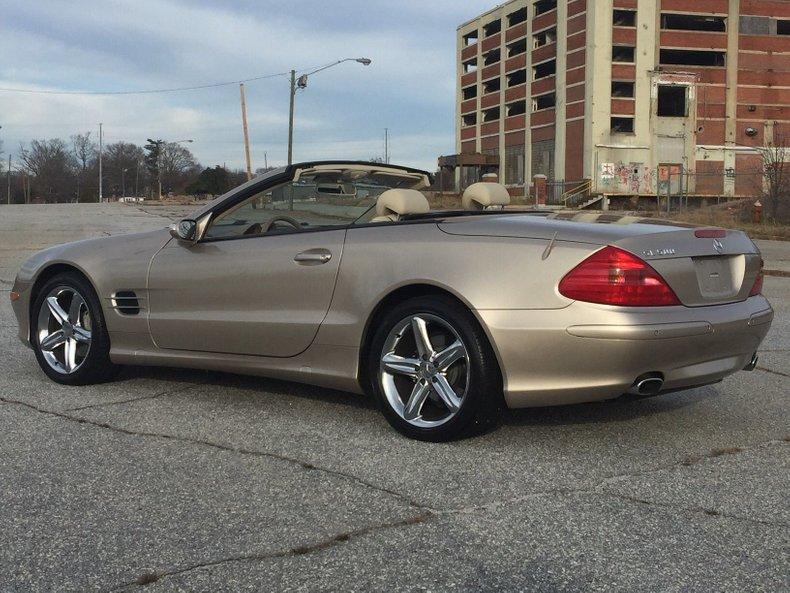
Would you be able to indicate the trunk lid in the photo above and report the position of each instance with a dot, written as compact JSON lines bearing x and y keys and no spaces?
{"x":701,"y":270}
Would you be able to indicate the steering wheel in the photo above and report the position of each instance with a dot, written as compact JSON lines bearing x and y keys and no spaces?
{"x":286,"y":219}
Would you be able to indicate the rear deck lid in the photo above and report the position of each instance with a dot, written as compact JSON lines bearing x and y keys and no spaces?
{"x":702,"y":266}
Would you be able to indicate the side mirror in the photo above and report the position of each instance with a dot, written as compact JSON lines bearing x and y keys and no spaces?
{"x":184,"y":230}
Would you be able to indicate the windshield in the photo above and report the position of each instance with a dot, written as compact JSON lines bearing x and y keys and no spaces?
{"x":319,"y":197}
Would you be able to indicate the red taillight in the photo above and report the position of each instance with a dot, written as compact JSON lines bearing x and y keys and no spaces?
{"x":758,"y":282}
{"x":710,"y":233}
{"x":612,"y":276}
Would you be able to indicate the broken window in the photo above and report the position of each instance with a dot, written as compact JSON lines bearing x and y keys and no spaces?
{"x":492,"y":28}
{"x":622,"y":89}
{"x":470,"y":66}
{"x":693,"y":22}
{"x":672,"y":101}
{"x":624,"y":18}
{"x":517,"y":17}
{"x":783,"y":27}
{"x":545,"y":69}
{"x":544,"y":37}
{"x":470,"y":119}
{"x":516,"y":78}
{"x":692,"y":57}
{"x":491,"y":114}
{"x":544,"y":6}
{"x":469,"y":92}
{"x":517,"y":108}
{"x":623,"y":53}
{"x":622,"y":125}
{"x":514,"y":165}
{"x":492,"y":57}
{"x":517,"y":48}
{"x":546,"y":101}
{"x":470,"y":38}
{"x":492,"y":85}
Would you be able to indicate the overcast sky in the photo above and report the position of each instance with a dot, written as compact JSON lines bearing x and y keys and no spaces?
{"x":150,"y":44}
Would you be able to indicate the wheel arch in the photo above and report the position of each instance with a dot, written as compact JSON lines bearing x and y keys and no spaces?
{"x":398,"y":295}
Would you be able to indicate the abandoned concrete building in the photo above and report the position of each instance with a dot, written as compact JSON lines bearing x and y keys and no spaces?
{"x":634,"y":97}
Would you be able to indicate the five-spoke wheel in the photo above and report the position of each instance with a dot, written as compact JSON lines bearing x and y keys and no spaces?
{"x":424,"y":370}
{"x":433,"y":370}
{"x":68,"y":333}
{"x":64,"y":329}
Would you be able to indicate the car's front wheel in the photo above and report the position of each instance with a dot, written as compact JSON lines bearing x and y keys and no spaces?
{"x":433,"y":371}
{"x":68,"y":333}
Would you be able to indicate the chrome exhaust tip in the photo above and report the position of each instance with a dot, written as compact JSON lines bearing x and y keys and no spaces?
{"x":650,"y":385}
{"x":752,"y":363}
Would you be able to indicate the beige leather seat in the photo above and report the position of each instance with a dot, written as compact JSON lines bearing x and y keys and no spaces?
{"x":482,"y":196}
{"x":395,"y":203}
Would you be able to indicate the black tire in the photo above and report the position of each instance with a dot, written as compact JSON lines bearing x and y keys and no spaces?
{"x":483,"y":402}
{"x":96,"y":366}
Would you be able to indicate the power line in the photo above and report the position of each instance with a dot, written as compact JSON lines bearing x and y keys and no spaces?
{"x":141,"y":92}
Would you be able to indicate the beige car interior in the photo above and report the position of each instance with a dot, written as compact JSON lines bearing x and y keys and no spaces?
{"x":393,"y":204}
{"x":485,"y":196}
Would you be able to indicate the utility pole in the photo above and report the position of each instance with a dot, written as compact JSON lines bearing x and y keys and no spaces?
{"x":386,"y":146}
{"x":291,"y":119}
{"x":8,"y":174}
{"x":265,"y":160}
{"x":101,"y":199}
{"x":246,"y":132}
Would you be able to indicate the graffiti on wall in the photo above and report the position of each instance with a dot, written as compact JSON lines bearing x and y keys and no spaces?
{"x":627,"y":178}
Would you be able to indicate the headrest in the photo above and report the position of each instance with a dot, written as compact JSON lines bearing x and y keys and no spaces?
{"x":480,"y":196}
{"x":400,"y":202}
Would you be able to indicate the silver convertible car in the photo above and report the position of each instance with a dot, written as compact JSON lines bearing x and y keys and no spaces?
{"x":339,"y":274}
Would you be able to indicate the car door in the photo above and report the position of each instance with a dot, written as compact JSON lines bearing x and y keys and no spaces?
{"x":259,"y":283}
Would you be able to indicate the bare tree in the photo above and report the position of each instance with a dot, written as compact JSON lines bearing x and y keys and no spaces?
{"x":121,"y":162}
{"x":178,"y":165}
{"x":53,"y":166}
{"x":776,"y":177}
{"x":85,"y":153}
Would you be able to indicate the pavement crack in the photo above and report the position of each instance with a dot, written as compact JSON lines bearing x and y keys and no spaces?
{"x":221,"y":447}
{"x":136,"y":399}
{"x":318,"y":546}
{"x":676,"y":507}
{"x":773,"y":372}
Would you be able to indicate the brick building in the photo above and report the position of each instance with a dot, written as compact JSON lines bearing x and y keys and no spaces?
{"x":629,"y":95}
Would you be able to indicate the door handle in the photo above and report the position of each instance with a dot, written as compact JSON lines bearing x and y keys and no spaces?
{"x":313,"y":257}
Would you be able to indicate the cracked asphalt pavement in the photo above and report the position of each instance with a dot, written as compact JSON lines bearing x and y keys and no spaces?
{"x":174,"y":480}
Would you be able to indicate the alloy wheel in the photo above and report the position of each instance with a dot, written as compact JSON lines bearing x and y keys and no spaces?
{"x":64,"y":329}
{"x":424,"y":370}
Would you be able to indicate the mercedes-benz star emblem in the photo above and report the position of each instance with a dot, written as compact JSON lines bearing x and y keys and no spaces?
{"x":718,"y":245}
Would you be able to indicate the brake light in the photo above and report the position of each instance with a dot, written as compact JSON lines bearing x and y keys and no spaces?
{"x":613,"y":276}
{"x":710,"y":233}
{"x":758,"y":282}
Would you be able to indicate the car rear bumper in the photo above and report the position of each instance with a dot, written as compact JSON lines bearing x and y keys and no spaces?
{"x":588,"y":352}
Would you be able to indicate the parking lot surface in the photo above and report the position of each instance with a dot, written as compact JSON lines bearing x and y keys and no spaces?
{"x":175,"y":480}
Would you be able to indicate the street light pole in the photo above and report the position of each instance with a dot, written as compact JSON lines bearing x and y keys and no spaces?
{"x":301,"y":83}
{"x":123,"y":182}
{"x":291,"y":118}
{"x":100,"y":163}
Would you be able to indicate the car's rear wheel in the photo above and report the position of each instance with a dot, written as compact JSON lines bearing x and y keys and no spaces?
{"x":433,"y":371}
{"x":68,"y":333}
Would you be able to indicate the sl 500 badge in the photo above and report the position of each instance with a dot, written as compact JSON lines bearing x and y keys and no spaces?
{"x":652,"y":252}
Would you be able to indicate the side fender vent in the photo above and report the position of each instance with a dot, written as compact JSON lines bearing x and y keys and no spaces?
{"x":126,"y":302}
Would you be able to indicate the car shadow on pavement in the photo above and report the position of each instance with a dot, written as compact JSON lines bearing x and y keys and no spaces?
{"x":262,"y":385}
{"x":617,"y":410}
{"x":621,"y":409}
